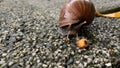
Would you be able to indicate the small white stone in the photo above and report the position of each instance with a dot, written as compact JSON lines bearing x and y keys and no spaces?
{"x":38,"y":61}
{"x":33,"y":54}
{"x":10,"y":63}
{"x":28,"y":66}
{"x":108,"y":64}
{"x":60,"y":66}
{"x":77,"y":62}
{"x":44,"y":65}
{"x":4,"y":54}
{"x":2,"y":61}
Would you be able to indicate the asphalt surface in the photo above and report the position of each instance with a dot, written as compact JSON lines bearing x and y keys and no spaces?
{"x":29,"y":37}
{"x":107,"y":6}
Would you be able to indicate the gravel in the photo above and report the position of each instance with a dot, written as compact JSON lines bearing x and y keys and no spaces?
{"x":29,"y":38}
{"x":107,"y":6}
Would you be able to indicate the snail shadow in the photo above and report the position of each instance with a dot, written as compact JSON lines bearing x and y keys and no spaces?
{"x":84,"y":32}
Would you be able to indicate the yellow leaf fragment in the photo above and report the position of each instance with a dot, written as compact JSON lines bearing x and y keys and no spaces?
{"x":113,"y":15}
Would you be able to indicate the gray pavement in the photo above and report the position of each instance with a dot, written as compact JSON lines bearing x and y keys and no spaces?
{"x":29,"y":37}
{"x":107,"y":6}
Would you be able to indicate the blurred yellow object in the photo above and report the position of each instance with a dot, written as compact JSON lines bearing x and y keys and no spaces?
{"x":82,"y":43}
{"x":112,"y":15}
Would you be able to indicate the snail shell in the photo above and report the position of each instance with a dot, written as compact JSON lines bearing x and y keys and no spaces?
{"x":74,"y":14}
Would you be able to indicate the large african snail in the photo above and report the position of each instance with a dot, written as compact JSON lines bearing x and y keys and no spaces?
{"x":77,"y":13}
{"x":74,"y":14}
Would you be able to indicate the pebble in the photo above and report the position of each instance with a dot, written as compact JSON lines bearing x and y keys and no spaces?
{"x":108,"y":64}
{"x":44,"y":65}
{"x":77,"y":61}
{"x":60,"y":67}
{"x":10,"y":63}
{"x":28,"y":66}
{"x":38,"y":61}
{"x":4,"y":54}
{"x":2,"y":62}
{"x":33,"y":54}
{"x":70,"y":61}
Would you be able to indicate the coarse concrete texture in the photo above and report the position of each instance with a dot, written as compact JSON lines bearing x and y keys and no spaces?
{"x":29,"y":37}
{"x":107,"y":6}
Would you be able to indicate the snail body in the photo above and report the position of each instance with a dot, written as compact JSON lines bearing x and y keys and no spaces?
{"x":74,"y":14}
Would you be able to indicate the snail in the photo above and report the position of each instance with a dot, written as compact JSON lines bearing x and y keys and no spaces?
{"x":74,"y":15}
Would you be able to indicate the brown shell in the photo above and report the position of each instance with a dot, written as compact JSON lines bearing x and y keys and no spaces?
{"x":74,"y":13}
